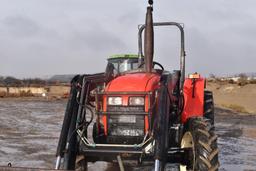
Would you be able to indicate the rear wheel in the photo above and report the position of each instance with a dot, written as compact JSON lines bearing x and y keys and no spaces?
{"x":209,"y":106}
{"x":202,"y":142}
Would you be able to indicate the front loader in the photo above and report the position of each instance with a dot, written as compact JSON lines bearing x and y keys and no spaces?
{"x":138,"y":111}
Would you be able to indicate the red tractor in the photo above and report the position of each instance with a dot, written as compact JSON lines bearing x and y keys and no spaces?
{"x":138,"y":111}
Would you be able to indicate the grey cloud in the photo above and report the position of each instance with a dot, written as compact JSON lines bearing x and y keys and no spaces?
{"x":21,"y":26}
{"x":46,"y":37}
{"x":96,"y":39}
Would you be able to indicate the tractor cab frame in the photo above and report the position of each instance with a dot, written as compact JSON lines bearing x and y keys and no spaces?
{"x":123,"y":62}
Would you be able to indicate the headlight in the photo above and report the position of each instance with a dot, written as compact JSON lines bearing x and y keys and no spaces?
{"x":136,"y":101}
{"x":115,"y":101}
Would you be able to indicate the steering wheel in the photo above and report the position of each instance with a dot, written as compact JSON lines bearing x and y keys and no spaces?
{"x":154,"y":64}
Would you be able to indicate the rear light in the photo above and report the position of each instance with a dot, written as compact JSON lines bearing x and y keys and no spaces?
{"x":136,"y":101}
{"x":115,"y":101}
{"x":194,"y":76}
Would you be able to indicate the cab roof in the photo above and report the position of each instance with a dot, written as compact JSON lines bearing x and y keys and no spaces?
{"x":123,"y":56}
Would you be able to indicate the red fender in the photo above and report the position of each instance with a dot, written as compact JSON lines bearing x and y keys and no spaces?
{"x":193,"y":105}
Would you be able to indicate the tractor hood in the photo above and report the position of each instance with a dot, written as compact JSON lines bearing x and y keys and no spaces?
{"x":135,"y":82}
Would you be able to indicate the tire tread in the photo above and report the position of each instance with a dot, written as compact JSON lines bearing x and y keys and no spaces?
{"x":205,"y":143}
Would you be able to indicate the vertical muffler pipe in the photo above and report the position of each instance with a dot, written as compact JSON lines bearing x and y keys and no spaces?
{"x":149,"y":51}
{"x":149,"y":40}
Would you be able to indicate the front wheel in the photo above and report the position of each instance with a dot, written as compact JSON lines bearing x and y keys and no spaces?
{"x":201,"y":141}
{"x":81,"y":163}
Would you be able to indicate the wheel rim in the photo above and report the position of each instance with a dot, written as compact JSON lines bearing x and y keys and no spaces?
{"x":187,"y":142}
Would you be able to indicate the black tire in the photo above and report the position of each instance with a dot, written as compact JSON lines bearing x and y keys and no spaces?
{"x":81,"y":163}
{"x":209,"y":106}
{"x":204,"y":156}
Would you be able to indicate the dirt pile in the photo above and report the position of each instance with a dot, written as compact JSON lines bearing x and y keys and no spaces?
{"x":235,"y":97}
{"x":53,"y":91}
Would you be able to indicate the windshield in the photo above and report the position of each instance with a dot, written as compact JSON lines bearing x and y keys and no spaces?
{"x":122,"y":65}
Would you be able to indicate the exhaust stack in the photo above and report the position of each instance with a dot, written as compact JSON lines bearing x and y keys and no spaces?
{"x":149,"y":40}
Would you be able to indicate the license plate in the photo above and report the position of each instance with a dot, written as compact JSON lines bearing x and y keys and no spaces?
{"x":127,"y":119}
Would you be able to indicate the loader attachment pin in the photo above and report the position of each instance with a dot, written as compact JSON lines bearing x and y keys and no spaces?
{"x":157,"y":165}
{"x":58,"y":161}
{"x":120,"y":163}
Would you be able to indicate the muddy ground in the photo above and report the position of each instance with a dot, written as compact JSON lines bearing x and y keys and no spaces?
{"x":29,"y":133}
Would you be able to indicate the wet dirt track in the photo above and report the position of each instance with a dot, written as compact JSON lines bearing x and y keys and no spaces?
{"x":29,"y":131}
{"x":237,"y":140}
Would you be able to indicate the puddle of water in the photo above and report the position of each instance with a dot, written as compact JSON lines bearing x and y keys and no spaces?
{"x":29,"y":133}
{"x":237,"y":142}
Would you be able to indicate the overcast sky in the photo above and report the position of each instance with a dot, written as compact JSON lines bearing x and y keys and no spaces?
{"x":46,"y":37}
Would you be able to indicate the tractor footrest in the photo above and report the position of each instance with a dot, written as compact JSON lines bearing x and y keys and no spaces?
{"x":109,"y":151}
{"x":110,"y":154}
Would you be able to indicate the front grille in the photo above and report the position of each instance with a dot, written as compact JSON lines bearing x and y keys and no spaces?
{"x":129,"y":126}
{"x":126,"y":125}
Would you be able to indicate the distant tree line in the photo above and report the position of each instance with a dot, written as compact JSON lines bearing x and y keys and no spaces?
{"x":240,"y":79}
{"x":28,"y":82}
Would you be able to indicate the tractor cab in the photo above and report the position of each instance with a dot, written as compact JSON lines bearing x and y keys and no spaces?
{"x":129,"y":63}
{"x":123,"y":62}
